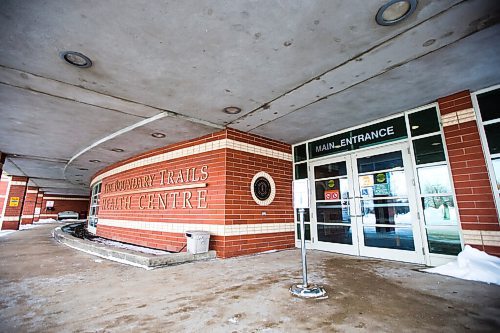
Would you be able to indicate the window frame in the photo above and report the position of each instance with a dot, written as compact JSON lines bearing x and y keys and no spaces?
{"x":484,"y":143}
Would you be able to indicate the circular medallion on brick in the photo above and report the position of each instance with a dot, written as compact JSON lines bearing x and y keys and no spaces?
{"x":263,"y":188}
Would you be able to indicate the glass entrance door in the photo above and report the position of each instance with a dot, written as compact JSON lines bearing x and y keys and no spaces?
{"x":332,"y":211}
{"x":364,"y":204}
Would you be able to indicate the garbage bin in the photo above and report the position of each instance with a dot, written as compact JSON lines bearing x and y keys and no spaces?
{"x":197,"y":241}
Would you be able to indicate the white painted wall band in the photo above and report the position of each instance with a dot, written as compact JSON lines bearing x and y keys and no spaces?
{"x":65,"y":198}
{"x":481,"y":237}
{"x":458,"y":117}
{"x":18,"y":183}
{"x":27,"y":216}
{"x":214,"y":229}
{"x":10,"y":218}
{"x":31,"y":191}
{"x":201,"y":148}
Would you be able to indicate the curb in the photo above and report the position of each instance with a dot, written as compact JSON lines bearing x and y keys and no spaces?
{"x":143,"y":260}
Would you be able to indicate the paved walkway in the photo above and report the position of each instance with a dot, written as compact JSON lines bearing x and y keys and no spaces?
{"x":48,"y":287}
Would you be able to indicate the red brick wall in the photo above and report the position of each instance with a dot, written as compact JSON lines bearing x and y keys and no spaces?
{"x":468,"y":167}
{"x":29,"y":205}
{"x":12,"y":214}
{"x":240,"y":206}
{"x":63,"y":203}
{"x":228,"y":197}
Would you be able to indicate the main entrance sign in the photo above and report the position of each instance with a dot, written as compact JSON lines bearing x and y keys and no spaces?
{"x":389,"y":130}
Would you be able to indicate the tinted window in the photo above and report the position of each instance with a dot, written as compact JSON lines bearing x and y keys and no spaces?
{"x":423,"y":122}
{"x":301,"y":171}
{"x":493,"y":136}
{"x":330,"y":170}
{"x":299,"y":153}
{"x":380,"y":162}
{"x":429,"y":150}
{"x":489,"y":105}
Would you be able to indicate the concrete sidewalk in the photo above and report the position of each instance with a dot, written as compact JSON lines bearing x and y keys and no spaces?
{"x":48,"y":287}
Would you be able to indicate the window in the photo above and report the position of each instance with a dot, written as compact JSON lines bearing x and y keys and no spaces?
{"x":94,"y":207}
{"x":488,"y":114}
{"x":300,"y":159}
{"x":440,"y":214}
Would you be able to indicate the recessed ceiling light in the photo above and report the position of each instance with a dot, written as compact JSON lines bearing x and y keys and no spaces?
{"x":94,"y":161}
{"x":415,"y":127}
{"x":232,"y":110}
{"x":118,"y":150}
{"x":395,"y":11}
{"x":158,"y":135}
{"x":76,"y":59}
{"x":436,"y":143}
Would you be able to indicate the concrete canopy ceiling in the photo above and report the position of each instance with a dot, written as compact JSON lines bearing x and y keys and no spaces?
{"x":172,"y":67}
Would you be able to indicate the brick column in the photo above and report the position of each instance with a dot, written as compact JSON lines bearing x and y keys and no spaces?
{"x":15,"y":199}
{"x":38,"y":206}
{"x":29,"y":205}
{"x":476,"y":206}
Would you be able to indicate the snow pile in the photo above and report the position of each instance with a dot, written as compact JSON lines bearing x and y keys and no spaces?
{"x":471,"y":264}
{"x":45,"y":221}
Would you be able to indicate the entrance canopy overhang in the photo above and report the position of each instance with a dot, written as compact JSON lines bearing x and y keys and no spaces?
{"x":163,"y":73}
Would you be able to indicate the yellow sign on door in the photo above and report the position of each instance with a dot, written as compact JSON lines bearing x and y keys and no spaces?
{"x":14,"y":201}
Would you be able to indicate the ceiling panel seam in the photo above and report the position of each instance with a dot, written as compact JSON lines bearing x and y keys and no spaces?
{"x":266,"y":105}
{"x":370,"y":78}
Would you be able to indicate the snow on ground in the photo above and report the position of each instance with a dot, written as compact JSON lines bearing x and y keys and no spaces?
{"x":120,"y":245}
{"x":27,"y":226}
{"x":471,"y":264}
{"x":6,"y":232}
{"x":41,"y":221}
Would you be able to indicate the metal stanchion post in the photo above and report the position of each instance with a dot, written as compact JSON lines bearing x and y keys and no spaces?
{"x":303,"y":247}
{"x":305,"y":289}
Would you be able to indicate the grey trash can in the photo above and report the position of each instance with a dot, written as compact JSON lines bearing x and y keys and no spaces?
{"x":197,"y":241}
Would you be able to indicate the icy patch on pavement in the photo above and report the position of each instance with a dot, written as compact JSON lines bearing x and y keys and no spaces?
{"x":6,"y":232}
{"x":137,"y":248}
{"x":471,"y":264}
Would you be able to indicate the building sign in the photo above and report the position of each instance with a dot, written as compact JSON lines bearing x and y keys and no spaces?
{"x":165,"y":189}
{"x":385,"y":131}
{"x":14,"y":201}
{"x":262,"y":188}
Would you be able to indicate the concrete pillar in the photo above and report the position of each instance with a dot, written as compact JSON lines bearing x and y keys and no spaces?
{"x":38,"y":206}
{"x":478,"y":215}
{"x":2,"y":161}
{"x":14,"y":203}
{"x":29,"y":205}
